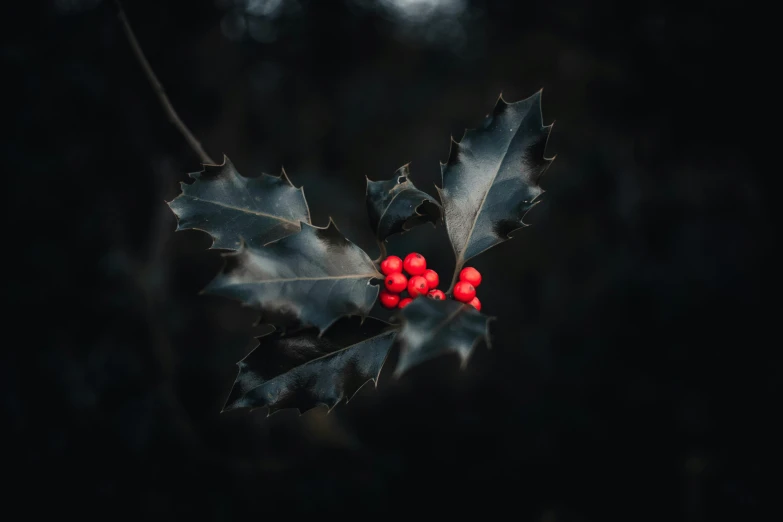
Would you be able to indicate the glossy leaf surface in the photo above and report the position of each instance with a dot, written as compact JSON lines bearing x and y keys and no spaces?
{"x":304,"y":370}
{"x":311,"y":278}
{"x":232,"y":208}
{"x":431,"y":328}
{"x":396,"y":205}
{"x":490,"y":180}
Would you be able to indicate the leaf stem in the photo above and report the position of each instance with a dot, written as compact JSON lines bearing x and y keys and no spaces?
{"x":382,"y":248}
{"x":457,"y":268}
{"x":158,"y":88}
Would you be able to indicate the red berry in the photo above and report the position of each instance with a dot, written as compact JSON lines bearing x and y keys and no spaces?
{"x":417,"y":286}
{"x":475,"y":303}
{"x":464,"y":292}
{"x":396,"y":282}
{"x":388,"y":299}
{"x":438,"y":295}
{"x":415,"y":264}
{"x":432,"y":278}
{"x":470,"y":275}
{"x":391,"y":265}
{"x":405,"y":302}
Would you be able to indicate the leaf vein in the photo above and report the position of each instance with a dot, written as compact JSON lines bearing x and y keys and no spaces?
{"x":380,"y":221}
{"x":484,"y":198}
{"x":240,"y":209}
{"x":326,"y":278}
{"x":322,"y":357}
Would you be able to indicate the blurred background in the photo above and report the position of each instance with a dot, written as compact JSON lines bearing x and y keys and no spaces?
{"x":632,"y":374}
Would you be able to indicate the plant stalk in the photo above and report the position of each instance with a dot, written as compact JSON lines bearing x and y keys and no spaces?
{"x":158,"y":88}
{"x":382,"y":248}
{"x":455,"y":277}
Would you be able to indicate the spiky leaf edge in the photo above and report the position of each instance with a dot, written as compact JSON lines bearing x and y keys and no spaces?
{"x":260,"y":319}
{"x":207,"y":167}
{"x":417,"y":214}
{"x":395,"y":328}
{"x":487,"y":338}
{"x":452,"y":157}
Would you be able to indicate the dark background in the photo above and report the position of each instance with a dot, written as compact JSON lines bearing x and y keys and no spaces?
{"x":634,"y":367}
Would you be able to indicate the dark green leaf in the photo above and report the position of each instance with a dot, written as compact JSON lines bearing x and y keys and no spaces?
{"x":304,"y":370}
{"x":311,"y":278}
{"x":490,"y":180}
{"x":396,"y":205}
{"x":231,"y":207}
{"x":431,"y":328}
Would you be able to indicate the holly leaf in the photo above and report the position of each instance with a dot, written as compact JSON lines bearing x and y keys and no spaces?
{"x":304,"y":370}
{"x":431,"y":328}
{"x":396,"y":205}
{"x":490,"y":180}
{"x":311,"y":278}
{"x":231,"y":207}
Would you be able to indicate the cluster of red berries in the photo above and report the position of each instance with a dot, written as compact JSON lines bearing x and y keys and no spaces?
{"x":423,"y":281}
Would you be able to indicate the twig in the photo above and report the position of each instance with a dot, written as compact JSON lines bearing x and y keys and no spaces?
{"x":156,"y":85}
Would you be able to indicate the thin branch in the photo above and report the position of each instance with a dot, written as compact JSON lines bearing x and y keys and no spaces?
{"x":156,"y":85}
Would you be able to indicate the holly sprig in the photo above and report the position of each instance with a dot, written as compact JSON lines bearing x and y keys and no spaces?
{"x":317,"y":288}
{"x":312,"y":278}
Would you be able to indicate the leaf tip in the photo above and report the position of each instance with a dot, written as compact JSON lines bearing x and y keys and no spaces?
{"x":454,"y":149}
{"x":500,"y":106}
{"x":284,"y":177}
{"x":404,"y":171}
{"x":233,"y":402}
{"x":331,"y":224}
{"x":333,"y":406}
